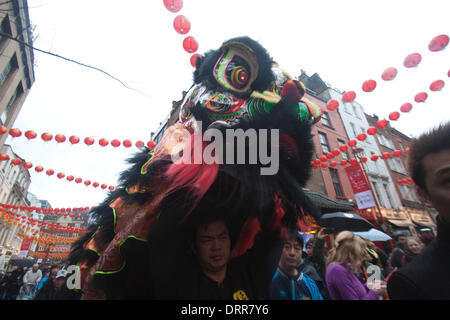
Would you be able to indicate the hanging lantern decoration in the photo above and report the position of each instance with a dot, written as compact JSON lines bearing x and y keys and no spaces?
{"x":374,"y":157}
{"x":78,"y":180}
{"x":349,"y":96}
{"x":89,"y":141}
{"x":389,"y":74}
{"x":353,"y":161}
{"x":364,"y":159}
{"x":323,"y":159}
{"x":60,"y":138}
{"x":382,"y":124}
{"x":50,"y":172}
{"x":46,"y":136}
{"x":127,"y":143}
{"x":3,"y":157}
{"x":406,"y":151}
{"x":332,"y":105}
{"x":397,"y":153}
{"x":406,"y":107}
{"x":324,"y":165}
{"x":151,"y":144}
{"x":193,"y":59}
{"x":336,"y":152}
{"x":333,"y":164}
{"x":438,"y":43}
{"x":4,"y":130}
{"x":372,"y":130}
{"x":16,"y":161}
{"x":369,"y":85}
{"x":30,"y":134}
{"x":69,"y":178}
{"x":173,"y":5}
{"x":15,"y":132}
{"x":190,"y":44}
{"x":87,"y":182}
{"x":27,"y":165}
{"x":74,"y":139}
{"x":329,"y":155}
{"x":139,"y":144}
{"x":412,"y":60}
{"x":343,"y":162}
{"x":181,"y":24}
{"x":394,"y":116}
{"x":39,"y":169}
{"x":352,"y":143}
{"x":103,"y":186}
{"x":103,"y":142}
{"x":361,"y":137}
{"x":115,"y":143}
{"x":343,"y":148}
{"x":60,"y":175}
{"x":95,"y":184}
{"x":316,"y":162}
{"x":386,"y":155}
{"x":421,"y":97}
{"x":437,"y":85}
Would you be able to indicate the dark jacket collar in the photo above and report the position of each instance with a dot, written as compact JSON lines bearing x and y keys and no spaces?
{"x":443,"y":232}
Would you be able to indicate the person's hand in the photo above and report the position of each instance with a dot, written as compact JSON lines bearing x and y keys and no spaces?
{"x":378,"y":286}
{"x":321,"y":234}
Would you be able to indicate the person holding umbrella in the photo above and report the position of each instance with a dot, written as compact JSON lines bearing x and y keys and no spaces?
{"x":344,"y":270}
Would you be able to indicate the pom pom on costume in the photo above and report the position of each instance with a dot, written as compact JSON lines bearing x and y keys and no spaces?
{"x":127,"y":252}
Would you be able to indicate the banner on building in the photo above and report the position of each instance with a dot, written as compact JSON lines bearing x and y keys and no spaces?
{"x":360,"y":186}
{"x":25,"y":247}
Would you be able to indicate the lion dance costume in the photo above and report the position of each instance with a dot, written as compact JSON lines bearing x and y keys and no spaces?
{"x":136,"y":237}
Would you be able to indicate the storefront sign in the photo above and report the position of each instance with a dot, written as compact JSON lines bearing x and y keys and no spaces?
{"x":25,"y":247}
{"x":360,"y":186}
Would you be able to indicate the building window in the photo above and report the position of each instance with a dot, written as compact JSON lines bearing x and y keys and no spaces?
{"x":388,"y":194}
{"x":324,"y":142}
{"x":344,"y":154}
{"x":377,"y":192}
{"x":355,"y":111}
{"x":385,"y":141}
{"x":326,"y":119}
{"x":336,"y":182}
{"x":352,"y":125}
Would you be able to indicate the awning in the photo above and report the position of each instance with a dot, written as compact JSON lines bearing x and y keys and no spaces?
{"x":401,"y":223}
{"x":425,"y":224}
{"x":327,"y":205}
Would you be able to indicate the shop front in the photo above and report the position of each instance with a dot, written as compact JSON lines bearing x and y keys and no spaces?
{"x":399,"y":222}
{"x":423,"y":222}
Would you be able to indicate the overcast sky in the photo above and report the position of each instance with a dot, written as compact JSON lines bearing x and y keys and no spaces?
{"x":345,"y":42}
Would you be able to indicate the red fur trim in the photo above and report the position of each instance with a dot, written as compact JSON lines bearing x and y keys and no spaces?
{"x":277,"y":215}
{"x":288,"y":143}
{"x":247,"y":237}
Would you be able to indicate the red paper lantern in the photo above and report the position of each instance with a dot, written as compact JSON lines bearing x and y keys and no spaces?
{"x":386,"y":155}
{"x":190,"y":44}
{"x":382,"y":124}
{"x":352,"y":143}
{"x":406,"y":107}
{"x":74,"y":139}
{"x":343,"y":162}
{"x":369,"y":85}
{"x":46,"y":136}
{"x":374,"y":157}
{"x":3,"y":129}
{"x":173,"y":5}
{"x":111,"y":188}
{"x":181,"y":24}
{"x":332,"y":105}
{"x":409,"y":180}
{"x":16,"y":161}
{"x":397,"y":153}
{"x":103,"y":186}
{"x":95,"y":184}
{"x":4,"y":156}
{"x":438,"y":43}
{"x":389,"y":74}
{"x":69,"y":178}
{"x":89,"y":141}
{"x":27,"y":165}
{"x":421,"y":97}
{"x":349,"y":96}
{"x":330,"y":155}
{"x":87,"y":182}
{"x":60,"y":175}
{"x":372,"y":130}
{"x":394,"y":116}
{"x":353,"y":161}
{"x":316,"y":162}
{"x":39,"y":169}
{"x":406,"y":151}
{"x":78,"y":180}
{"x":323,"y":159}
{"x":437,"y":85}
{"x":193,"y":59}
{"x":60,"y":138}
{"x":336,"y":152}
{"x":15,"y":132}
{"x":333,"y":164}
{"x":343,"y":148}
{"x":115,"y":143}
{"x":412,"y":60}
{"x":30,"y":134}
{"x":151,"y":144}
{"x":364,"y":159}
{"x":50,"y":172}
{"x":361,"y":137}
{"x":103,"y":142}
{"x":324,"y":164}
{"x":127,"y":143}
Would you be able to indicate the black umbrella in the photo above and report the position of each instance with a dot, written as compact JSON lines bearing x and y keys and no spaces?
{"x":21,"y":262}
{"x":340,"y":221}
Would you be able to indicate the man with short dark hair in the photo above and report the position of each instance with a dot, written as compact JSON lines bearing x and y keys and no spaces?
{"x":427,"y":276}
{"x":395,"y":259}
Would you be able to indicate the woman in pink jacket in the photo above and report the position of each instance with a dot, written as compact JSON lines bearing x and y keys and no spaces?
{"x":343,"y":274}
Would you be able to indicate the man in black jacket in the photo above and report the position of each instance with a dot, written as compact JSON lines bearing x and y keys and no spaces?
{"x":427,"y":276}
